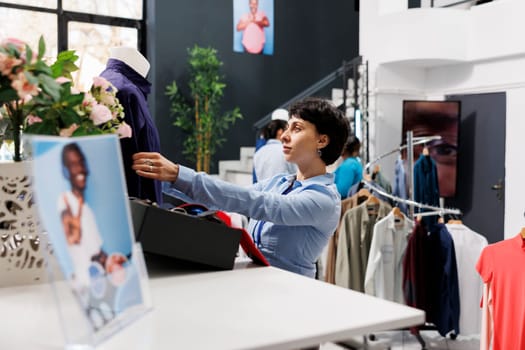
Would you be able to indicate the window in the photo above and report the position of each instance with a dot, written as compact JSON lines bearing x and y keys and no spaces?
{"x":91,"y":43}
{"x":88,"y":27}
{"x":28,"y":26}
{"x":125,"y":8}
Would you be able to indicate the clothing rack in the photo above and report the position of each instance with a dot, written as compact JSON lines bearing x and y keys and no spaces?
{"x":411,"y":141}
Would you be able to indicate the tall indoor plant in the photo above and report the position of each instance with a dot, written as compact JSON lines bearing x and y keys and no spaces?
{"x":200,"y":115}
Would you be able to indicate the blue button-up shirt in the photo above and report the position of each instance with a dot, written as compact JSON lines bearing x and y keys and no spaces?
{"x":295,"y":227}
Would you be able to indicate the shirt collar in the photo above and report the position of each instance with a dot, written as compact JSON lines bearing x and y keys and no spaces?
{"x":324,"y":179}
{"x":273,"y":141}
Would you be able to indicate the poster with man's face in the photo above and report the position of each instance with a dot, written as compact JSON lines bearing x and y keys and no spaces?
{"x":253,"y":23}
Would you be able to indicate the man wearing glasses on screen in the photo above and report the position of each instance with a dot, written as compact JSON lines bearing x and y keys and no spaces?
{"x":436,"y":118}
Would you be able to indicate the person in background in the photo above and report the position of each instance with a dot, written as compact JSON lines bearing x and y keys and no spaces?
{"x":350,"y":171}
{"x":291,"y":216}
{"x":269,"y":160}
{"x":252,"y":25}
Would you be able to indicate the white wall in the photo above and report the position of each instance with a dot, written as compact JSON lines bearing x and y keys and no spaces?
{"x":416,"y":54}
{"x":514,"y":162}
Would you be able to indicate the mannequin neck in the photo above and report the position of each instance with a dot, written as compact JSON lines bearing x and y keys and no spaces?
{"x":132,"y":57}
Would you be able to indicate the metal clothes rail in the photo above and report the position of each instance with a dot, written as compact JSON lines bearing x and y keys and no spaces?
{"x":411,"y":142}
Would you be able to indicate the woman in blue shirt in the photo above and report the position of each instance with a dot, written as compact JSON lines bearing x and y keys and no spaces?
{"x":350,"y":171}
{"x":291,"y":216}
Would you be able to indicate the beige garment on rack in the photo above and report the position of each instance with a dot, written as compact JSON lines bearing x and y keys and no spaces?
{"x":346,"y":204}
{"x":353,"y":245}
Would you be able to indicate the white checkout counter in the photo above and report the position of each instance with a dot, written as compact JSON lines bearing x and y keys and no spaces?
{"x":249,"y":307}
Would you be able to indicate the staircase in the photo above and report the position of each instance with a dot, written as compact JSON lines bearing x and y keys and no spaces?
{"x":238,"y":171}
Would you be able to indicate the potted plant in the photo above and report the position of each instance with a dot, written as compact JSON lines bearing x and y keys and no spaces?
{"x":200,"y":114}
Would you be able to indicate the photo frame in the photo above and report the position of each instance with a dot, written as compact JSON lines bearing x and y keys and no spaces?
{"x":80,"y":192}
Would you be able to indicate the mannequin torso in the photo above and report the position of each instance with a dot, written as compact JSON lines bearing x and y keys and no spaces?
{"x":126,"y":69}
{"x":132,"y":57}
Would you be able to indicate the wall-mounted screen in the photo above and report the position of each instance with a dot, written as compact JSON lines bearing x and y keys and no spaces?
{"x":436,"y":118}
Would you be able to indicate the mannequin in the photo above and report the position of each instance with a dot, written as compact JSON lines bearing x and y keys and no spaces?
{"x":126,"y":70}
{"x":132,"y":57}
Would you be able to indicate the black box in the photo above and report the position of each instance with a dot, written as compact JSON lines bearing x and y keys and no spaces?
{"x":184,"y":236}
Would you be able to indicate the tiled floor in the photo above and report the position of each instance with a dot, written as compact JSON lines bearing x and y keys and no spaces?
{"x":403,"y":340}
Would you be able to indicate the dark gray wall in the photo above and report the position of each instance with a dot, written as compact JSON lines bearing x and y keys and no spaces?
{"x":311,"y":40}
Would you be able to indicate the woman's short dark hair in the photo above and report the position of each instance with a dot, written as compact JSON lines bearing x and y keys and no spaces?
{"x":328,"y":120}
{"x":270,"y":131}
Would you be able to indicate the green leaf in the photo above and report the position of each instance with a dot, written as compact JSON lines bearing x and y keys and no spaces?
{"x":8,"y":95}
{"x":50,"y":86}
{"x":41,"y":47}
{"x":172,"y":89}
{"x":65,"y":64}
{"x":29,"y":54}
{"x":46,"y":127}
{"x":68,"y":116}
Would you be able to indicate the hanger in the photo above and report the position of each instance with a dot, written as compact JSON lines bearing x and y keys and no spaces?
{"x":456,"y":222}
{"x":425,"y":151}
{"x":522,"y":233}
{"x":397,"y":213}
{"x":364,"y":192}
{"x":372,"y":200}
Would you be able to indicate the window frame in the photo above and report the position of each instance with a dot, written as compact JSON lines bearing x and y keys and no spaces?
{"x":64,"y":17}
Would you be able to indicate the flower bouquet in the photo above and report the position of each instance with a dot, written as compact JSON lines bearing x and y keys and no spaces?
{"x":39,"y":98}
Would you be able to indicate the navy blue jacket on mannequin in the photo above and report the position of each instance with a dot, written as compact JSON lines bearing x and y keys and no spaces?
{"x":133,"y":90}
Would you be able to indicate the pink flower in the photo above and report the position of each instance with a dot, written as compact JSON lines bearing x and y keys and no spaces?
{"x":67,"y":132}
{"x":100,"y":114}
{"x":19,"y":44}
{"x":31,"y":119}
{"x":23,"y":87}
{"x":107,"y":100}
{"x":101,"y":83}
{"x":7,"y":63}
{"x":62,"y":80}
{"x":89,"y":100}
{"x":124,"y":130}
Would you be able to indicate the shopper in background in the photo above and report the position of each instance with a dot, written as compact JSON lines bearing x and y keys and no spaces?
{"x":350,"y":171}
{"x":269,"y":160}
{"x":292,"y":216}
